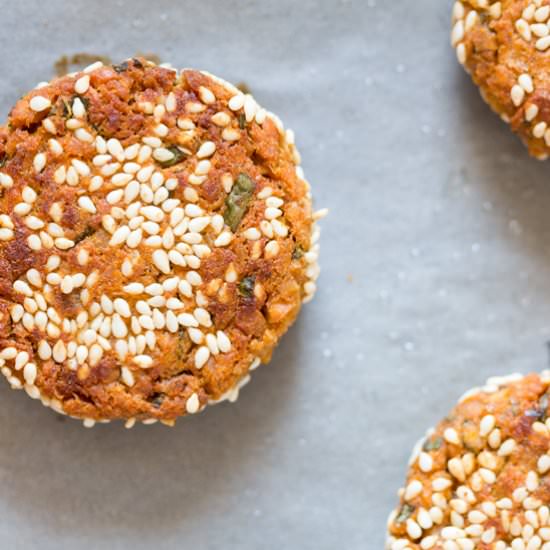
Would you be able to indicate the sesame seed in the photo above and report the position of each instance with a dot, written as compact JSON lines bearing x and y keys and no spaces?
{"x":526,"y":82}
{"x":59,"y":352}
{"x":471,"y":20}
{"x":185,"y":124}
{"x":231,"y":134}
{"x":542,"y":14}
{"x":223,"y":239}
{"x":224,"y":343}
{"x":8,"y":353}
{"x":517,"y":94}
{"x":82,"y":84}
{"x":118,"y":327}
{"x":134,"y":238}
{"x":34,"y":242}
{"x":531,"y":112}
{"x":279,"y":228}
{"x":507,"y":448}
{"x":206,"y":95}
{"x":95,"y":354}
{"x":250,"y":108}
{"x":30,"y":373}
{"x":414,"y":488}
{"x":132,"y":151}
{"x":120,"y":236}
{"x":274,"y":202}
{"x":207,"y":149}
{"x":203,"y":167}
{"x":60,"y":175}
{"x":461,"y":54}
{"x":39,"y":103}
{"x":271,"y":249}
{"x":163,"y":155}
{"x":115,"y":148}
{"x":22,"y":208}
{"x":55,"y":146}
{"x":170,"y":102}
{"x":543,"y":44}
{"x":143,"y":361}
{"x":236,"y":102}
{"x":160,"y":196}
{"x":122,"y":307}
{"x":72,"y":176}
{"x":63,"y":243}
{"x":6,"y":180}
{"x":6,"y":234}
{"x":320,"y":214}
{"x":161,"y":261}
{"x":44,"y":350}
{"x":66,"y":285}
{"x":39,"y":162}
{"x":83,"y":135}
{"x":153,"y":142}
{"x":201,"y":357}
{"x":127,"y":377}
{"x":220,"y":119}
{"x":87,"y":204}
{"x":523,"y":29}
{"x":49,"y":126}
{"x":194,"y":107}
{"x":192,"y":405}
{"x":543,"y":464}
{"x":539,"y":29}
{"x":152,"y":213}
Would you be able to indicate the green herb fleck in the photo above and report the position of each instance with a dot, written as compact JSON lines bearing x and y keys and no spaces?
{"x":3,"y":160}
{"x":432,"y":444}
{"x":540,"y":411}
{"x":243,"y":86}
{"x":121,"y":67}
{"x":543,"y":402}
{"x":88,"y":232}
{"x":67,"y":109}
{"x":405,"y":513}
{"x":242,"y":121}
{"x":246,"y":286}
{"x":298,"y":252}
{"x":236,"y":203}
{"x":179,"y":155}
{"x":157,"y":399}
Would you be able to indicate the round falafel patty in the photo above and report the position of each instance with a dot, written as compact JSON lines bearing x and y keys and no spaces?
{"x":505,"y":46}
{"x":481,"y":479}
{"x":156,"y":241}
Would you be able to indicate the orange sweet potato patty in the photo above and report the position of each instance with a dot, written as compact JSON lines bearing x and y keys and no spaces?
{"x":481,"y":479}
{"x":156,"y":240}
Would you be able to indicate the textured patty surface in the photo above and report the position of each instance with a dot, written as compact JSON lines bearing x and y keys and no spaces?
{"x":505,"y":46}
{"x":481,"y":479}
{"x":156,"y":240}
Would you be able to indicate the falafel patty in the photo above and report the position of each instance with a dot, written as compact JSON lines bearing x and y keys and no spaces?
{"x":156,"y":241}
{"x":481,"y":479}
{"x":505,"y":46}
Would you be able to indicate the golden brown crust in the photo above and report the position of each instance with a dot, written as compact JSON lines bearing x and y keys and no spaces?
{"x":123,"y":176}
{"x":480,"y":479}
{"x":505,"y":46}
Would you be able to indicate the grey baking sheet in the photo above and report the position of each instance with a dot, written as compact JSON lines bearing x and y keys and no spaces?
{"x":436,"y":274}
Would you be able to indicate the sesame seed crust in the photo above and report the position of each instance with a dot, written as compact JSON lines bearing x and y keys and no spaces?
{"x":480,"y":480}
{"x":504,"y":45}
{"x":156,"y":241}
